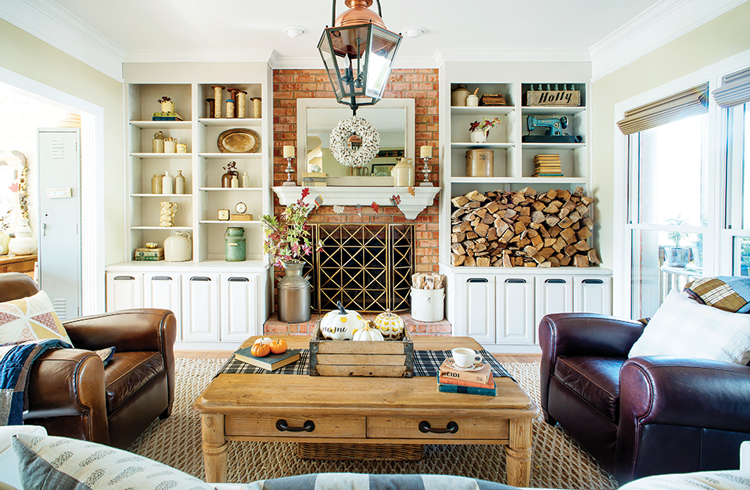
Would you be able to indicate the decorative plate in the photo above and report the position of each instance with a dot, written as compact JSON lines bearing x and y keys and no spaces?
{"x":238,"y":140}
{"x":452,"y":365}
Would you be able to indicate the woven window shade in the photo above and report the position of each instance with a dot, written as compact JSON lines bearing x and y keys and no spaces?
{"x":691,"y":102}
{"x":734,"y":90}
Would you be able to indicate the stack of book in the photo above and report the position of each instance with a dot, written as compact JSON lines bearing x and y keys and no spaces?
{"x":166,"y":116}
{"x":479,"y":382}
{"x":547,"y":166}
{"x":149,"y":254}
{"x":269,"y":362}
{"x":314,"y":179}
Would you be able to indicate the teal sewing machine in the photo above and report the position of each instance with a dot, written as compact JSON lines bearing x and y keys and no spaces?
{"x":553,"y":134}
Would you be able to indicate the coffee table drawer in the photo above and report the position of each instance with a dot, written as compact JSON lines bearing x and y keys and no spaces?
{"x":295,"y":426}
{"x":437,"y":428}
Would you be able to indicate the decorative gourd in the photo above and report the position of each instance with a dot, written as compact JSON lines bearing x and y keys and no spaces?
{"x":390,"y":324}
{"x":278,"y":346}
{"x":264,"y":340}
{"x":367,"y":333}
{"x":340,"y":324}
{"x":260,"y":349}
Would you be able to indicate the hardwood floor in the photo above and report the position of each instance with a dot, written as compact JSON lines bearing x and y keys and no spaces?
{"x":216,"y":354}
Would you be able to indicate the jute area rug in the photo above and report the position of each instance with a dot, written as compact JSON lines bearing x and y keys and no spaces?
{"x":557,"y":460}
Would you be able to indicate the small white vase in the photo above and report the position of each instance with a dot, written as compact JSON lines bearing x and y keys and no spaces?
{"x":4,"y":239}
{"x":22,"y":243}
{"x":478,"y":137}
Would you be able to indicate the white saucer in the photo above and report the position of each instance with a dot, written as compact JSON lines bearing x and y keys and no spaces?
{"x":452,"y":365}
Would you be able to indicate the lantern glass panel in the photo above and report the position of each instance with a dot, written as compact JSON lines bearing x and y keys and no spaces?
{"x":383,"y":48}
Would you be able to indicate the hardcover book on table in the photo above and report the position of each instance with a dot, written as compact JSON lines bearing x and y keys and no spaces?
{"x":457,"y":381}
{"x":467,"y":390}
{"x":481,"y":375}
{"x":269,"y":362}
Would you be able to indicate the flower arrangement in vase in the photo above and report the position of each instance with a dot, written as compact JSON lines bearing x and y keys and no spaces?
{"x":481,"y":130}
{"x":231,"y":171}
{"x":287,"y":238}
{"x":167,"y":104}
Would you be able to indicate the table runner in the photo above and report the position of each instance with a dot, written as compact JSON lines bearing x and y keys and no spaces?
{"x":426,"y":363}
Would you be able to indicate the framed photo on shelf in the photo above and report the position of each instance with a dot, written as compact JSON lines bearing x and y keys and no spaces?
{"x":381,"y":169}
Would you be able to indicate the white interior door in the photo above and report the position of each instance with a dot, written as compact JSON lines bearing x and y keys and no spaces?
{"x":59,"y":221}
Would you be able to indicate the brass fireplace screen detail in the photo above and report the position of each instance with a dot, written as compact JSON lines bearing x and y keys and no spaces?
{"x":366,"y":267}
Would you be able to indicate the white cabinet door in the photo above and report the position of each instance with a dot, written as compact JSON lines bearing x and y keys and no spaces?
{"x":515,"y":310}
{"x":164,"y":291}
{"x":554,"y":294}
{"x":593,"y":295}
{"x":200,"y":307}
{"x":477,"y":299}
{"x":240,"y":308}
{"x":124,"y":291}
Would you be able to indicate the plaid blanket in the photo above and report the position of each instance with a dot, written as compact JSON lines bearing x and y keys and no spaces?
{"x":356,"y":481}
{"x":426,"y":363}
{"x":14,"y":371}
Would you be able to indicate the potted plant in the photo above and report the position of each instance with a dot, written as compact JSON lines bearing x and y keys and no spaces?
{"x":676,"y":256}
{"x":481,"y":130}
{"x":287,"y":240}
{"x":167,"y":104}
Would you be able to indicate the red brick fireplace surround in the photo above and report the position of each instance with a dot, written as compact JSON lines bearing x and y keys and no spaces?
{"x":419,"y":84}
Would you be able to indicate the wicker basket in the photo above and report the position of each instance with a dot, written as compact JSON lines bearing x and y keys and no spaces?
{"x":341,"y":452}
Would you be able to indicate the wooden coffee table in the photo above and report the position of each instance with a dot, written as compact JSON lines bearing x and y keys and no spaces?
{"x":320,"y":409}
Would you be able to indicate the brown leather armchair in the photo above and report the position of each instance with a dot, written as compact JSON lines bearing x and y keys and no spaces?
{"x":73,"y":394}
{"x":641,"y":416}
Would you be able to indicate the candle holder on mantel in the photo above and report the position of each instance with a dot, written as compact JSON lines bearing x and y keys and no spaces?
{"x":425,"y":153}
{"x":289,"y":155}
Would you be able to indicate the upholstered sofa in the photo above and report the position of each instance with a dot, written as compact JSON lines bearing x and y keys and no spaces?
{"x":644,"y":415}
{"x":72,"y":393}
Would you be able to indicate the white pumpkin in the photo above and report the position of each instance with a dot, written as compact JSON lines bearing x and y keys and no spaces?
{"x":263,"y":340}
{"x":367,"y":333}
{"x":340,"y":324}
{"x":390,"y":324}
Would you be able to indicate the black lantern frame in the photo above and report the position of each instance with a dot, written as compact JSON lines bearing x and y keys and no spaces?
{"x":358,"y":59}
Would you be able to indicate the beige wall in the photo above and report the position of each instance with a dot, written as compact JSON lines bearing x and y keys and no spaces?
{"x":721,"y":38}
{"x":30,"y":57}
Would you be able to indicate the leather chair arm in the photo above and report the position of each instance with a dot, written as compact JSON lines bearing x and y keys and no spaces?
{"x":582,"y":334}
{"x":677,"y":393}
{"x":70,"y":382}
{"x":684,"y":392}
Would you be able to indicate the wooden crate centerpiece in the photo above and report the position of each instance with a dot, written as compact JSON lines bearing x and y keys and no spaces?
{"x":385,"y":359}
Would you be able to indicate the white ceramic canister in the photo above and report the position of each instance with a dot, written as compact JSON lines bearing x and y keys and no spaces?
{"x":178,"y":247}
{"x":166,"y":184}
{"x":403,"y":173}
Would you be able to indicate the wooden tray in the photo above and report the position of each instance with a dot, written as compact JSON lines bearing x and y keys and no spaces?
{"x":386,"y":359}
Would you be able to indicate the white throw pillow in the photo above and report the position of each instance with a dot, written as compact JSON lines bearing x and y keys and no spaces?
{"x":60,"y":463}
{"x":682,"y":327}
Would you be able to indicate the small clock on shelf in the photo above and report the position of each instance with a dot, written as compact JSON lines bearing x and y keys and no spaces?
{"x":241,"y":208}
{"x":223,"y":215}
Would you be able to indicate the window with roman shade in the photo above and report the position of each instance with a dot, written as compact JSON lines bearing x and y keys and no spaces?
{"x":688,"y":103}
{"x":734,"y":90}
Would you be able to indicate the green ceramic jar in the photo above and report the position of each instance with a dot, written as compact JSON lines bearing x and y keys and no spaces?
{"x":234,"y":239}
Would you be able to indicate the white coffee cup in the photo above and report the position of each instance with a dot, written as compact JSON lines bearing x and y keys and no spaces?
{"x":465,"y":358}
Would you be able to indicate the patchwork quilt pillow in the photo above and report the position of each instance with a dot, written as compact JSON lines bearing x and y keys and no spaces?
{"x":30,"y":319}
{"x":60,"y":463}
{"x":728,"y":293}
{"x":684,"y":328}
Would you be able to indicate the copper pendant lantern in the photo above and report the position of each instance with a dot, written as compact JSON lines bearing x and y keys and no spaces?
{"x":358,"y":54}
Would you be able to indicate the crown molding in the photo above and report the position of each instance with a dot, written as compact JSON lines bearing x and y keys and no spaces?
{"x":54,"y":25}
{"x":192,"y":56}
{"x":660,"y":24}
{"x":503,"y":55}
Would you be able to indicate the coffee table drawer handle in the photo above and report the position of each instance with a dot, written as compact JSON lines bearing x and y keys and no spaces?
{"x":308,"y":426}
{"x":451,"y":428}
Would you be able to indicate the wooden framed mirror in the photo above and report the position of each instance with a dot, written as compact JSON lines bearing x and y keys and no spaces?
{"x":316,"y":118}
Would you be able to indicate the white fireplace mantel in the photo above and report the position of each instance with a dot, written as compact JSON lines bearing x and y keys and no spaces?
{"x":410,"y":205}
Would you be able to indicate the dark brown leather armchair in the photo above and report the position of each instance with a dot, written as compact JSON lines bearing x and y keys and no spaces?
{"x":641,"y":416}
{"x":73,"y":394}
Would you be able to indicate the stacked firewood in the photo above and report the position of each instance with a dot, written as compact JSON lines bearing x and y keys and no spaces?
{"x":522,"y":229}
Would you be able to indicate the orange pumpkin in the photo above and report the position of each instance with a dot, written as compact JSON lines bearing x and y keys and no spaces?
{"x":260,"y":350}
{"x":278,"y":346}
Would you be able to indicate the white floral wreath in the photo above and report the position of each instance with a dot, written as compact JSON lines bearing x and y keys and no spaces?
{"x":346,"y":154}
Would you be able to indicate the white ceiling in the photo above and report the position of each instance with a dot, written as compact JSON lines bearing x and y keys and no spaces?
{"x":105,"y":33}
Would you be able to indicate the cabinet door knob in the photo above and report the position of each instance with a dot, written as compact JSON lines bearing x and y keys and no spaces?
{"x":239,"y":279}
{"x":555,"y":281}
{"x":592,"y":281}
{"x":515,"y":281}
{"x":200,"y":278}
{"x":308,"y":426}
{"x":477,"y":279}
{"x":124,"y":278}
{"x":161,"y":278}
